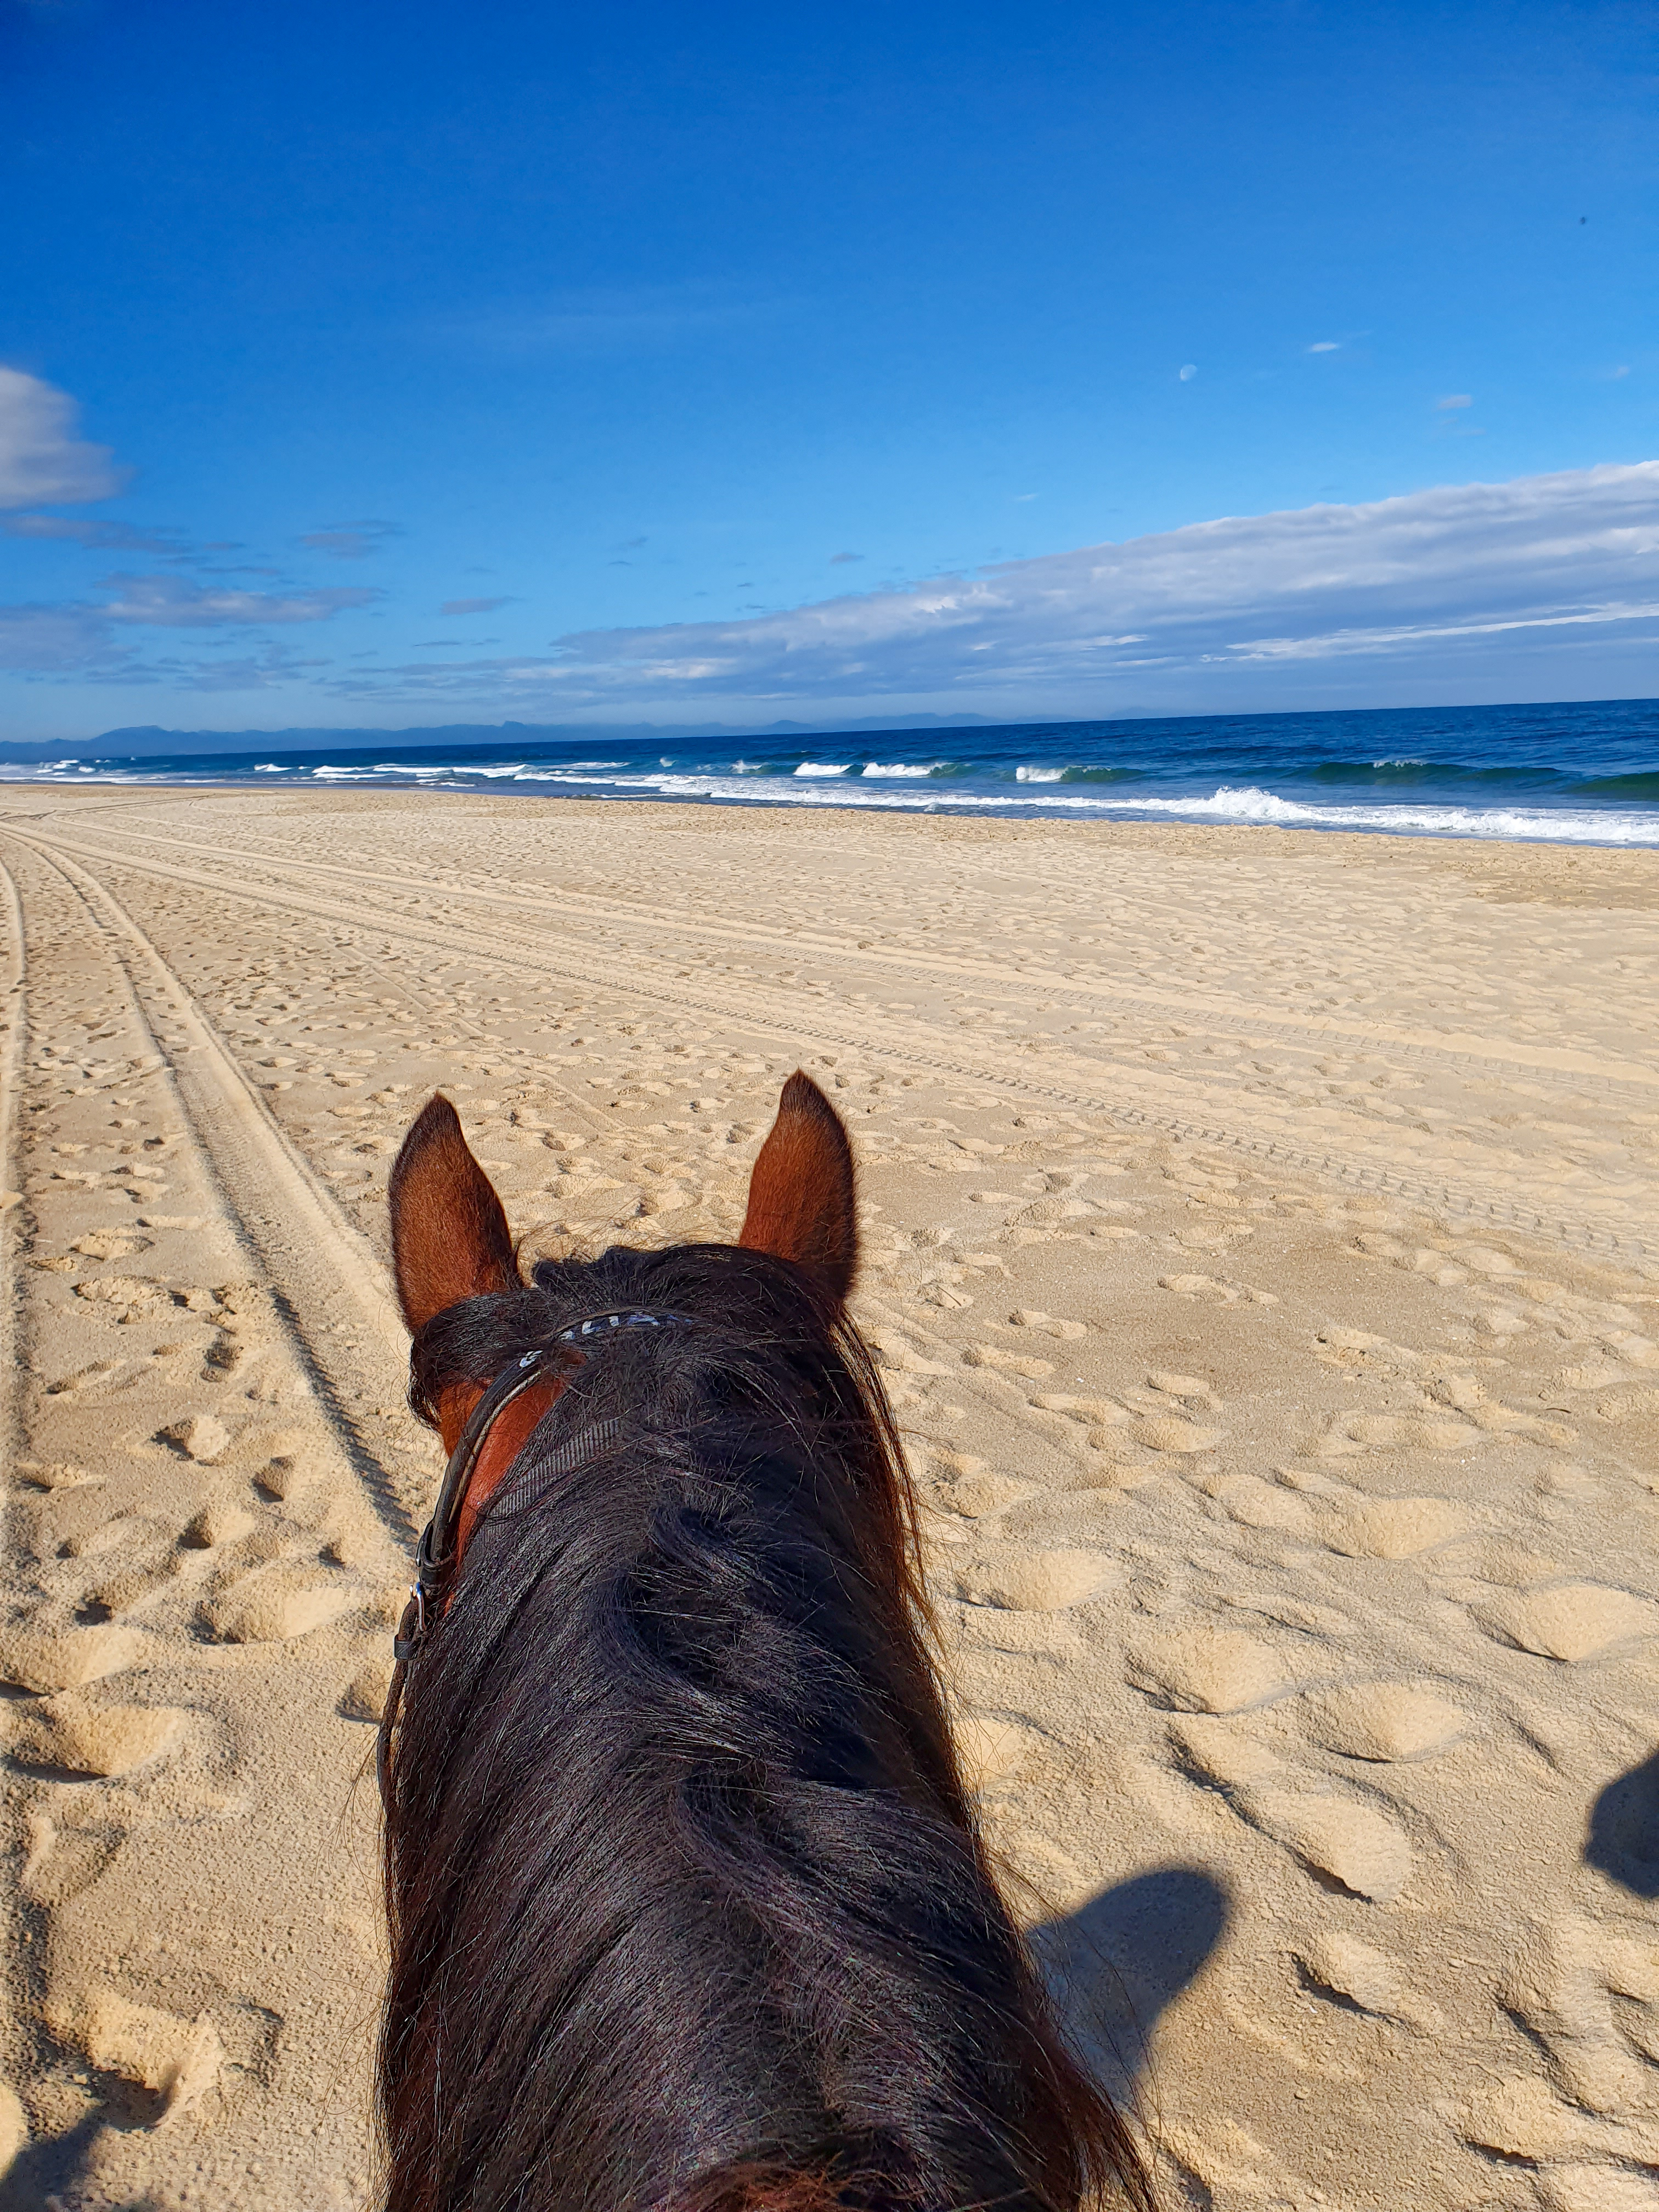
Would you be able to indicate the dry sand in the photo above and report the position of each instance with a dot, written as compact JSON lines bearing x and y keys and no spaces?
{"x":1263,"y":1248}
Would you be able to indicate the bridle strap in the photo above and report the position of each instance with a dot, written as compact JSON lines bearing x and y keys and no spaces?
{"x":434,"y":1559}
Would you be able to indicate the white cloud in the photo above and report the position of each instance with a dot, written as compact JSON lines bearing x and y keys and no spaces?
{"x":95,"y":642}
{"x":1326,"y":345}
{"x":1454,"y":399}
{"x":41,"y":456}
{"x":171,"y":602}
{"x":1431,"y":575}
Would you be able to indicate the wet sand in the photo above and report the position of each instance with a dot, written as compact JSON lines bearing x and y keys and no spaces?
{"x":1262,"y":1247}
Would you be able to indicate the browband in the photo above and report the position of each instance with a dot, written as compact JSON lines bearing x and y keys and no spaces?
{"x":432,"y":1555}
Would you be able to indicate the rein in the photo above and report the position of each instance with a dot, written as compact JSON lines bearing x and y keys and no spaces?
{"x":434,"y":1559}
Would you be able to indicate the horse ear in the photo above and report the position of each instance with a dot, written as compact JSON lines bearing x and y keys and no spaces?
{"x":449,"y":1236}
{"x":802,"y":1202}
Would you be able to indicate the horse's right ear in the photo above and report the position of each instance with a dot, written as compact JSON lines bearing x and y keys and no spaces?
{"x":802,"y":1201}
{"x":449,"y":1236}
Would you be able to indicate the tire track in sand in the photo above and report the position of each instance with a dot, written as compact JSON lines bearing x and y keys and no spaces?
{"x":204,"y":1567}
{"x":755,"y":1009}
{"x":328,"y":1286}
{"x":15,"y":1002}
{"x":1572,"y":1070}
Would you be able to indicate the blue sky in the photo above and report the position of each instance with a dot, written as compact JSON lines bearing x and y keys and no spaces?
{"x":374,"y":365}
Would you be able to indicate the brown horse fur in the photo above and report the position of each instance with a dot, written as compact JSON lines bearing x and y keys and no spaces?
{"x":802,"y":1202}
{"x":450,"y":1238}
{"x":688,"y":1906}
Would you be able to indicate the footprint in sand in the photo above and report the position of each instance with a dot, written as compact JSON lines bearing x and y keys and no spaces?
{"x":364,"y":1696}
{"x":1028,"y":1318}
{"x":179,"y":2060}
{"x":1385,"y":1722}
{"x":124,"y":1296}
{"x":65,"y":1859}
{"x":980,"y":1490}
{"x":1395,"y":1528}
{"x":1009,"y":1363}
{"x":1521,"y":2117}
{"x":1254,"y":1504}
{"x":1499,"y":1561}
{"x":1168,"y":1433}
{"x":71,"y":1733}
{"x":203,"y":1437}
{"x":1206,"y":1669}
{"x":55,"y":1475}
{"x":1184,"y":1386}
{"x":86,"y":1379}
{"x":1568,"y":1621}
{"x":141,"y":1557}
{"x":1343,"y":1967}
{"x":109,"y":1244}
{"x":283,"y":1478}
{"x":1090,"y":1412}
{"x":1354,"y":1844}
{"x":1596,"y":2189}
{"x":1365,"y":1350}
{"x":1215,"y":1750}
{"x":32,"y":1660}
{"x":221,"y":1521}
{"x":1036,"y":1582}
{"x":276,"y":1605}
{"x":1352,"y":1432}
{"x":1217,"y":1292}
{"x":1562,"y":1977}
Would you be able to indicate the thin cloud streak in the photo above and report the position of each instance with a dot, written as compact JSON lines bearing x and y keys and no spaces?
{"x":96,"y":537}
{"x":350,"y":541}
{"x":645,"y":317}
{"x":171,"y":602}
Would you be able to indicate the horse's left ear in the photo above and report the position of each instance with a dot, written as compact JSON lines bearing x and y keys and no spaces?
{"x":802,"y":1202}
{"x":450,"y":1240}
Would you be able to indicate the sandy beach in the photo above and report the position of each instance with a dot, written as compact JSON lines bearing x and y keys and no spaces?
{"x":1262,"y":1247}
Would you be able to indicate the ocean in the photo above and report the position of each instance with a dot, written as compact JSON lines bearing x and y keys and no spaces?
{"x":1583,"y":774}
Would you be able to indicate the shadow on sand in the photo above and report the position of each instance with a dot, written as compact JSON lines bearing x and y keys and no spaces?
{"x":1114,"y":1964}
{"x":1623,"y":1841}
{"x":46,"y":2172}
{"x":1118,"y":1961}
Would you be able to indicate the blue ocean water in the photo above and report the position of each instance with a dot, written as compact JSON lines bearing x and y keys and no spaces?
{"x":1585,"y":774}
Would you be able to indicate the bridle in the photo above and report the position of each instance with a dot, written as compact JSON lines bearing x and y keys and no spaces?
{"x":434,"y":1555}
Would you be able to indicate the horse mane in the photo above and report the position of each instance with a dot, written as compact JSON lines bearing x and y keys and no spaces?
{"x":689,"y":1907}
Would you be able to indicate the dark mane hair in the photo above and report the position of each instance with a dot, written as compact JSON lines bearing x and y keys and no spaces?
{"x":689,"y":1908}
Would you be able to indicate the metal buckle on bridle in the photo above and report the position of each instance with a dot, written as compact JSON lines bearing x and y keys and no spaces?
{"x":434,"y":1558}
